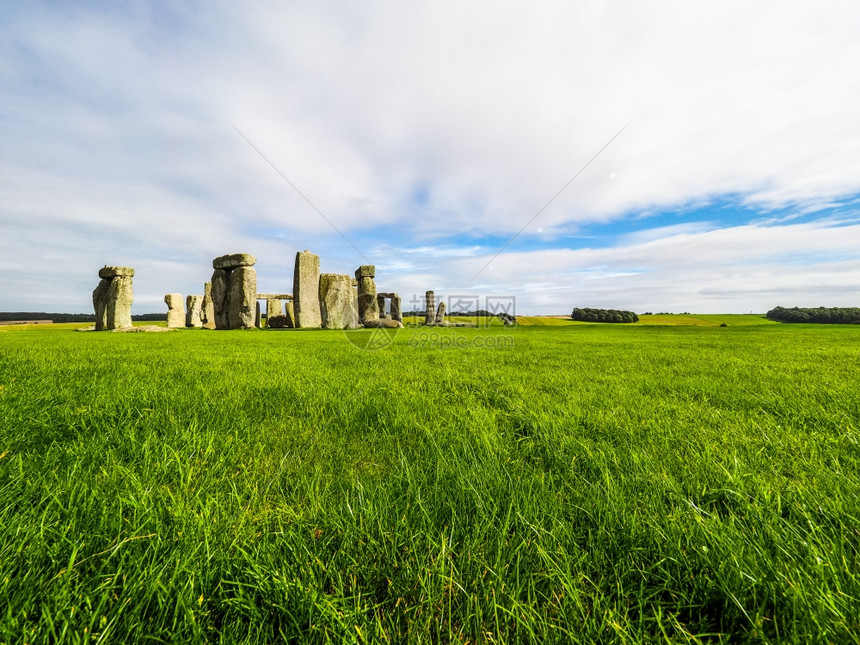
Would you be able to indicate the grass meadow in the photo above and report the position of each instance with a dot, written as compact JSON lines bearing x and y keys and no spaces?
{"x":544,"y":483}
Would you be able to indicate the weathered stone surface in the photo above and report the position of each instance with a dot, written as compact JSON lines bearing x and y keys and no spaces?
{"x":395,"y":308}
{"x":290,"y":313}
{"x":365,"y":271}
{"x":258,"y":316}
{"x":207,"y":309}
{"x":274,"y":296}
{"x":241,"y":298}
{"x":106,"y":272}
{"x":440,"y":312}
{"x":100,"y":304}
{"x":337,"y":302}
{"x":383,"y":322}
{"x":234,"y":261}
{"x":274,"y":307}
{"x":193,"y":307}
{"x":429,"y":307}
{"x":380,"y":305}
{"x":368,"y":307}
{"x":175,"y":315}
{"x":119,"y":299}
{"x":306,"y":284}
{"x":219,"y":298}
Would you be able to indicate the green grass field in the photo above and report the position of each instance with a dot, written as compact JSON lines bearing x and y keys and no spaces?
{"x":570,"y":483}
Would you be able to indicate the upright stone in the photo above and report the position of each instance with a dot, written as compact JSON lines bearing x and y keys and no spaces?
{"x":395,"y":308}
{"x":290,"y":313}
{"x":274,"y":309}
{"x":368,"y":307}
{"x":175,"y":315}
{"x":258,"y":316}
{"x":241,"y":297}
{"x":193,"y":306}
{"x":100,"y":303}
{"x":120,"y":297}
{"x":429,"y":308}
{"x":219,"y":298}
{"x":207,"y":310}
{"x":306,"y":284}
{"x":337,"y":304}
{"x":380,"y":305}
{"x":440,"y":312}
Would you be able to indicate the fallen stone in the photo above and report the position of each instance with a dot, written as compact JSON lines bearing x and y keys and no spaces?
{"x":241,"y":298}
{"x":234,"y":261}
{"x":193,"y":305}
{"x":306,"y":285}
{"x":337,"y":302}
{"x":383,"y":323}
{"x":142,"y":329}
{"x":106,"y":272}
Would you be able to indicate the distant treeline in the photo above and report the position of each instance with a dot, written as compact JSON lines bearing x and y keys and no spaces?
{"x":829,"y":315}
{"x":604,"y":315}
{"x":66,"y":318}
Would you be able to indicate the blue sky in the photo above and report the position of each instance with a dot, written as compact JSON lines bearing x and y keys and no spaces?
{"x":429,"y":135}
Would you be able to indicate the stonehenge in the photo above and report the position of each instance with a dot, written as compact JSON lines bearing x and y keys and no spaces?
{"x":193,"y":307}
{"x":440,"y":312}
{"x":175,"y":315}
{"x":234,"y":291}
{"x":306,"y":299}
{"x":230,"y":299}
{"x":112,"y":298}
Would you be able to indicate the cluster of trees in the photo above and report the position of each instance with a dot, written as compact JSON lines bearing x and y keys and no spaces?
{"x":604,"y":315}
{"x":830,"y":315}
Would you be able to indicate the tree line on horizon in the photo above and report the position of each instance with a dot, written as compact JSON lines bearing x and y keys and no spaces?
{"x":826,"y":315}
{"x":587,"y":314}
{"x":67,"y":318}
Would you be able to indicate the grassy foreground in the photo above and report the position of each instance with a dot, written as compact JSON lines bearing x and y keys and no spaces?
{"x":571,"y":483}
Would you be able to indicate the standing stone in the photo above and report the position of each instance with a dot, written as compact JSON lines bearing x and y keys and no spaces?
{"x":290,"y":313}
{"x":440,"y":312}
{"x":429,"y":308}
{"x":380,"y":305}
{"x":193,"y":306}
{"x":368,"y":307}
{"x":258,"y":316}
{"x":337,"y":304}
{"x":175,"y":315}
{"x":120,"y":298}
{"x":274,"y":309}
{"x":207,"y":310}
{"x":241,"y":297}
{"x":395,"y":308}
{"x":100,"y":304}
{"x":306,"y":284}
{"x":219,"y":298}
